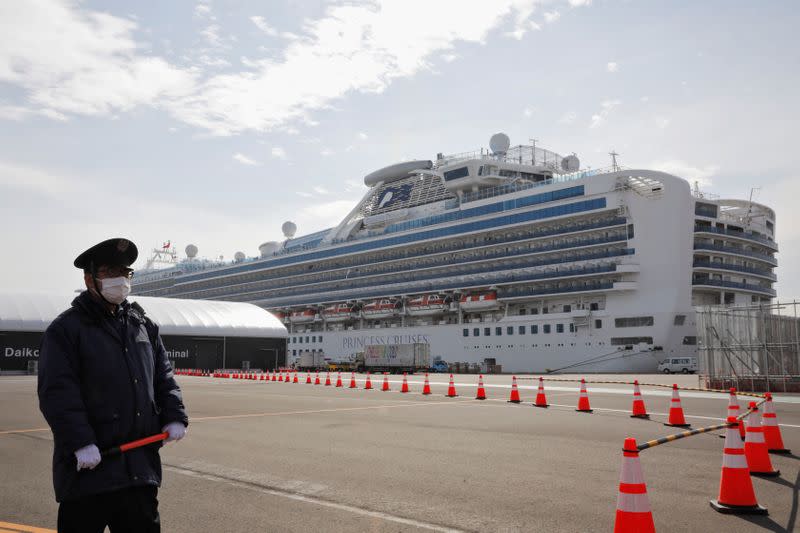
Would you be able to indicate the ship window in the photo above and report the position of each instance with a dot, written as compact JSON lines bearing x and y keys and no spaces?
{"x":319,"y":338}
{"x":572,"y":328}
{"x":705,"y":210}
{"x":690,"y":340}
{"x":619,"y":341}
{"x":487,"y":331}
{"x":456,"y":173}
{"x":522,"y":312}
{"x":314,"y":338}
{"x":510,"y":330}
{"x":633,"y":321}
{"x":498,"y":331}
{"x":466,"y":332}
{"x":294,"y":352}
{"x":294,"y":339}
{"x":546,"y":328}
{"x":630,"y":231}
{"x":306,"y":339}
{"x":476,"y":332}
{"x":534,"y":329}
{"x":680,"y":319}
{"x":522,"y":330}
{"x":535,"y":311}
{"x":598,"y":324}
{"x":559,"y":328}
{"x":567,"y":308}
{"x":545,"y":310}
{"x":594,"y":306}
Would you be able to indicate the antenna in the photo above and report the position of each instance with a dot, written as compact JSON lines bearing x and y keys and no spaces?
{"x":697,"y":192}
{"x":749,"y":216}
{"x":614,"y":164}
{"x":533,"y":150}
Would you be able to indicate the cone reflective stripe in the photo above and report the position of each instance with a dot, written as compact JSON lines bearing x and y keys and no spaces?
{"x":541,"y":399}
{"x":426,"y":388}
{"x":514,"y":397}
{"x":339,"y":380}
{"x":404,"y":388}
{"x":451,"y":389}
{"x":676,"y":418}
{"x":733,"y":411}
{"x":328,"y":379}
{"x":583,"y":399}
{"x":736,"y":495}
{"x":772,"y":431}
{"x":385,"y":386}
{"x":316,"y":379}
{"x":755,"y":446}
{"x":353,"y":380}
{"x":481,"y":395}
{"x":368,"y":384}
{"x":638,"y":410}
{"x":633,"y":507}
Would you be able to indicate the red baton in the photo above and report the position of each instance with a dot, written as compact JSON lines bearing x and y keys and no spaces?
{"x":122,"y":448}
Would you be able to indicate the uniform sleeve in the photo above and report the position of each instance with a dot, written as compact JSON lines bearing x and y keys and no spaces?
{"x":167,"y":392}
{"x":60,"y":398}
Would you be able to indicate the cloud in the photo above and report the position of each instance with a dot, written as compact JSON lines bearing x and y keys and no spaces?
{"x":529,"y":111}
{"x":262,"y":25}
{"x":323,"y":215}
{"x":320,"y":190}
{"x":449,"y":58}
{"x":243,"y":159}
{"x":598,"y":119}
{"x":363,"y":136}
{"x":662,"y":122}
{"x":612,"y":66}
{"x":17,"y":113}
{"x":278,"y":152}
{"x":568,"y":118}
{"x":580,"y":3}
{"x":551,"y":16}
{"x":202,"y":10}
{"x":42,"y":182}
{"x":687,"y":171}
{"x":326,"y":152}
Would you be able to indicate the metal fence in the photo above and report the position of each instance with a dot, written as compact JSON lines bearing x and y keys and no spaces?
{"x":755,"y":347}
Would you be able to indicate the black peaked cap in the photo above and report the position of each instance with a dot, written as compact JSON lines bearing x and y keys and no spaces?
{"x":115,"y":252}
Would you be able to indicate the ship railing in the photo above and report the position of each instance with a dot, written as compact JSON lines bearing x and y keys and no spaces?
{"x":735,"y":285}
{"x":737,"y":268}
{"x":738,"y":234}
{"x":737,"y":251}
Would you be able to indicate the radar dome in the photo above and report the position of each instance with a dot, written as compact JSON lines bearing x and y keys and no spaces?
{"x":269,"y":248}
{"x":571,"y":163}
{"x":238,"y":257}
{"x":499,"y":143}
{"x":289,"y":228}
{"x":191,"y":251}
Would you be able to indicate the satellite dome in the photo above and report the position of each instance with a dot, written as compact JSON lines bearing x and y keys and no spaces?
{"x":571,"y":163}
{"x":499,"y":143}
{"x":191,"y":251}
{"x":289,"y":228}
{"x":269,"y":248}
{"x":238,"y":257}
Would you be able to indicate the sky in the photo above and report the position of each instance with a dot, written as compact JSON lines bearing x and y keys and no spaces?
{"x":212,"y":122}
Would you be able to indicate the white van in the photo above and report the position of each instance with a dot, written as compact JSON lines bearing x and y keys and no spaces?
{"x":687,"y":365}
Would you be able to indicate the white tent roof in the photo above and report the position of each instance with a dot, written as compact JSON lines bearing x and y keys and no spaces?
{"x":34,"y":312}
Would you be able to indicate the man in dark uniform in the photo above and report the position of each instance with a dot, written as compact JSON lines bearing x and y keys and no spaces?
{"x":104,"y":379}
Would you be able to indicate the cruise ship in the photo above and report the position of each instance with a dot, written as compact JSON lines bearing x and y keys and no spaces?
{"x":512,"y":256}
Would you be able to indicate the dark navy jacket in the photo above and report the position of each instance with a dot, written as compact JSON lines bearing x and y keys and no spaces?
{"x":105,"y":380}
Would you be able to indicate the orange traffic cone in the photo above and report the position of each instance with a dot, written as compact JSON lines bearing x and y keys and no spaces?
{"x":308,"y":378}
{"x":385,"y":382}
{"x":295,"y":377}
{"x":288,"y":378}
{"x":639,"y":410}
{"x":633,"y":506}
{"x":772,"y":431}
{"x":676,"y":418}
{"x":368,"y":384}
{"x":339,"y":380}
{"x":451,"y":389}
{"x":733,"y":411}
{"x":275,"y":375}
{"x":316,"y":379}
{"x":541,"y":399}
{"x":426,"y":388}
{"x":736,"y":494}
{"x":755,"y":447}
{"x":481,"y":392}
{"x":514,"y":398}
{"x":328,"y":379}
{"x":583,"y":399}
{"x":404,"y":388}
{"x":353,"y":380}
{"x":280,"y":377}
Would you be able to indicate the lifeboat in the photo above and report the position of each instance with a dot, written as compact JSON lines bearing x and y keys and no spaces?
{"x":479,"y":302}
{"x":338,"y":312}
{"x":429,"y":304}
{"x":380,"y":309}
{"x":300,"y":317}
{"x":280,"y":315}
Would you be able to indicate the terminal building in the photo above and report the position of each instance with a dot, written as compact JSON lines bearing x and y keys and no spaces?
{"x":201,"y":334}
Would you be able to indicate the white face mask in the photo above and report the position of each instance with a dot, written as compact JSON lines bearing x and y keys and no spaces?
{"x":115,"y":290}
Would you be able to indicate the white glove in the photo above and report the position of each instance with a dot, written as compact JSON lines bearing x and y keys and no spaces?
{"x":176,"y":431}
{"x":88,"y":457}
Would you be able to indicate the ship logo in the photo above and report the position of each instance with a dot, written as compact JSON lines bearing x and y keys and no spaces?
{"x":394,"y":194}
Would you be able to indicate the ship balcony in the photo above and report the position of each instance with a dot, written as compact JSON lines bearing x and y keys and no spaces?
{"x":736,"y":252}
{"x":737,"y":235}
{"x":589,"y":287}
{"x":712,"y":266}
{"x":744,"y":287}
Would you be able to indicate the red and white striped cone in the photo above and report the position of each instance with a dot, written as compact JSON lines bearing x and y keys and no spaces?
{"x":676,"y":418}
{"x":481,"y":394}
{"x":583,"y":399}
{"x":385,"y":386}
{"x":451,"y":389}
{"x":514,"y":397}
{"x":295,"y":380}
{"x":426,"y":388}
{"x":280,"y":377}
{"x":638,"y":410}
{"x":541,"y":399}
{"x":736,"y":495}
{"x":339,"y":379}
{"x":308,"y":378}
{"x":733,"y":411}
{"x":755,"y":447}
{"x":368,"y":383}
{"x":328,"y":379}
{"x":634,"y":514}
{"x":288,"y":378}
{"x":316,"y":380}
{"x":352,"y":380}
{"x":772,"y":431}
{"x":404,"y":387}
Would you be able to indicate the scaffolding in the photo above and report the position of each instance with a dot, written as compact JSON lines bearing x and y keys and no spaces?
{"x":753,"y":347}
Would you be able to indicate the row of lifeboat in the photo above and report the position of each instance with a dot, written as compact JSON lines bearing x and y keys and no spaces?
{"x":427,"y":304}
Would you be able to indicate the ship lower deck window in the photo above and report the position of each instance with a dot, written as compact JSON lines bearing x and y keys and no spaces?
{"x":598,"y":324}
{"x":522,"y":312}
{"x":621,"y":341}
{"x":456,"y":173}
{"x":534,"y":329}
{"x":546,"y":328}
{"x":572,"y":328}
{"x":522,"y":330}
{"x":680,"y":319}
{"x":594,"y":306}
{"x":633,"y":321}
{"x":466,"y":332}
{"x":498,"y":331}
{"x":559,"y":328}
{"x":476,"y":332}
{"x":510,"y":330}
{"x":567,"y":308}
{"x":535,"y":311}
{"x":690,"y":340}
{"x":487,"y":331}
